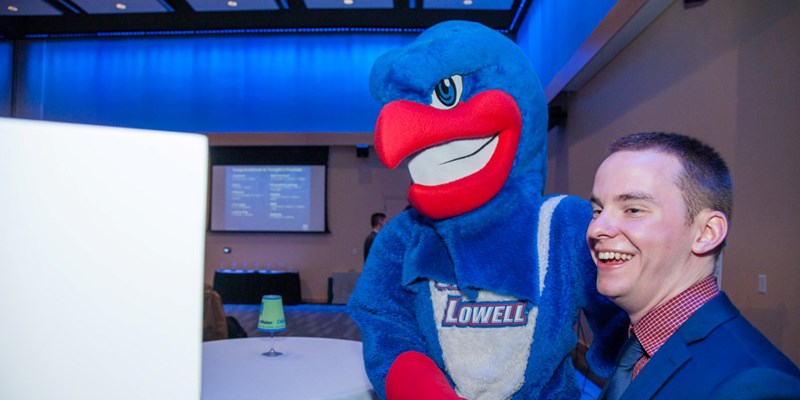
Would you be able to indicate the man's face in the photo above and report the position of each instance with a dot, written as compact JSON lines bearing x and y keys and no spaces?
{"x":639,"y":236}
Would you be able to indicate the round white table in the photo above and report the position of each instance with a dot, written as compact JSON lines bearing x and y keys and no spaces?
{"x":309,"y":369}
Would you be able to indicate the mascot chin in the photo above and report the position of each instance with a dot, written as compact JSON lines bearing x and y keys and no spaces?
{"x":475,"y":291}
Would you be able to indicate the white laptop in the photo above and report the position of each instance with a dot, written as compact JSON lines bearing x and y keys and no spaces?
{"x":102,"y":234}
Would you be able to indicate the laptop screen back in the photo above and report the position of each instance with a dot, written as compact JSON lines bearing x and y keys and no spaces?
{"x":102,"y":234}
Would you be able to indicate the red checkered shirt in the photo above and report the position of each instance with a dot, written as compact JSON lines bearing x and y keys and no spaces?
{"x":659,"y":324}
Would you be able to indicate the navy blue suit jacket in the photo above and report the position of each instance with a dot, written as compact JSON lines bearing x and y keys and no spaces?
{"x":716,"y":354}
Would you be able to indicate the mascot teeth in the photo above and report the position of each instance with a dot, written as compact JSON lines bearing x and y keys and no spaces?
{"x":451,"y":161}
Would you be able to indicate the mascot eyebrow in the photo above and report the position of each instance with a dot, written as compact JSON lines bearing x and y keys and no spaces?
{"x":474,"y":292}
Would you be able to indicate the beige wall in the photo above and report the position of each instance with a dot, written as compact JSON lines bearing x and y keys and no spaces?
{"x":726,"y":72}
{"x":357,"y":187}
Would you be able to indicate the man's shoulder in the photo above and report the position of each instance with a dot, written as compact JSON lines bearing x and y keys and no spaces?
{"x":718,"y":331}
{"x":720,"y":327}
{"x":737,"y":341}
{"x":722,"y":356}
{"x":758,"y":383}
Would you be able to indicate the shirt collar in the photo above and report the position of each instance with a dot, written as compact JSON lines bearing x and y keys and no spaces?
{"x":660,"y":323}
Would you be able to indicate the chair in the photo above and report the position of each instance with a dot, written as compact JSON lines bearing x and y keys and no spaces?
{"x":215,"y":326}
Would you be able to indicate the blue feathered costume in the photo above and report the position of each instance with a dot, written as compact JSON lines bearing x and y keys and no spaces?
{"x":484,"y":276}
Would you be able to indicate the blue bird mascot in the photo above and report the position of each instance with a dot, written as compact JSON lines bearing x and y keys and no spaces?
{"x":475,"y":291}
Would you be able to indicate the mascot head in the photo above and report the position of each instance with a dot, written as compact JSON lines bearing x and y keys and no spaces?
{"x":464,"y":105}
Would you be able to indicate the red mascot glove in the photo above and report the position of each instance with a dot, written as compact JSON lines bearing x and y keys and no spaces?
{"x":414,"y":376}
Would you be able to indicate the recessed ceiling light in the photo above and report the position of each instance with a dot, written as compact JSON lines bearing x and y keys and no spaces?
{"x":467,"y":2}
{"x":121,"y":6}
{"x":232,"y":3}
{"x":12,"y":8}
{"x":348,"y":2}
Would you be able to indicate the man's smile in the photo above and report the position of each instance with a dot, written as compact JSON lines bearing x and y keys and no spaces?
{"x":611,"y":256}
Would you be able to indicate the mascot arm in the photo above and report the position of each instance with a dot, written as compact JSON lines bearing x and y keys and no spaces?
{"x":607,"y":322}
{"x":385,"y":313}
{"x":609,"y":326}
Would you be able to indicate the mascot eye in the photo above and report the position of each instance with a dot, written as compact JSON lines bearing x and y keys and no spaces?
{"x":447,"y":92}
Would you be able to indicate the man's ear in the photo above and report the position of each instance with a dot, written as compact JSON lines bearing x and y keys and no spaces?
{"x":713,"y":227}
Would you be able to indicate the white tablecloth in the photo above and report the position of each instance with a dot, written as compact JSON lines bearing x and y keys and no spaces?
{"x":309,"y":369}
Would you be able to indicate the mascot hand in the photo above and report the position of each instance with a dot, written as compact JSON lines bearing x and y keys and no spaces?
{"x":414,"y":376}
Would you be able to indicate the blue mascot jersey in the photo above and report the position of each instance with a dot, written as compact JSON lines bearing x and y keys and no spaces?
{"x":491,"y":345}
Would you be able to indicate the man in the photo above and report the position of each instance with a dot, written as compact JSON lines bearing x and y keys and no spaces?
{"x":662,"y":207}
{"x":378,"y":220}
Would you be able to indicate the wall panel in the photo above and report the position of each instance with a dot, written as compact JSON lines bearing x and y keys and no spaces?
{"x":272,"y":83}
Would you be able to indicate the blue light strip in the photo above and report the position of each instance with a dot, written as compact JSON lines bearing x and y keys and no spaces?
{"x":226,"y":32}
{"x":516,"y":16}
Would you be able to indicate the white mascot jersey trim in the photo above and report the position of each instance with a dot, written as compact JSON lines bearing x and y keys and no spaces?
{"x":486,"y":343}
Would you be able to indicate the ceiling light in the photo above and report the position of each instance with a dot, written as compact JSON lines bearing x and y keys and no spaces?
{"x":232,"y":3}
{"x":467,"y":2}
{"x":348,"y":2}
{"x":12,"y":8}
{"x":121,"y":6}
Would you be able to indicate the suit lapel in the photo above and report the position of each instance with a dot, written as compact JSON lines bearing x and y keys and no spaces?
{"x":675,"y":351}
{"x":658,"y":370}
